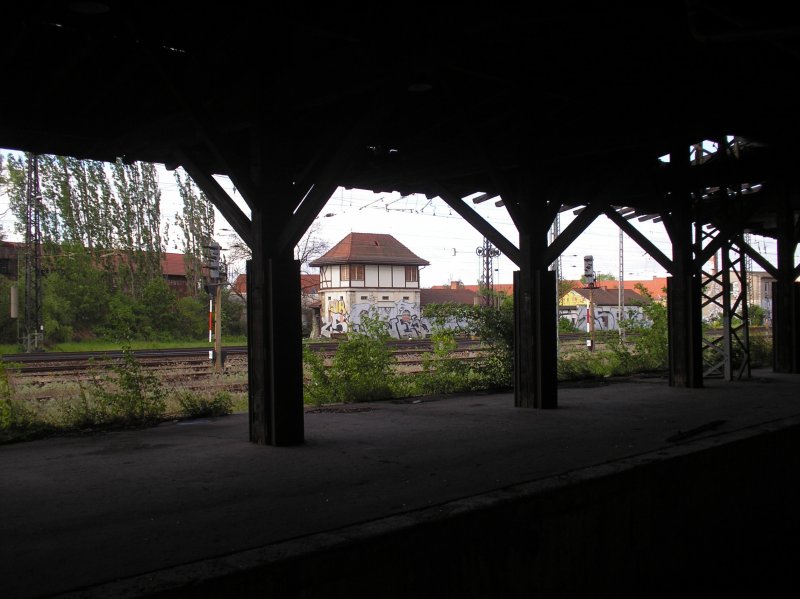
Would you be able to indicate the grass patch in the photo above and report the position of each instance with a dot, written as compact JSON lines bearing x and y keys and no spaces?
{"x":96,"y":345}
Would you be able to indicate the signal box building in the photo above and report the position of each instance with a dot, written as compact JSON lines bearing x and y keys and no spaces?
{"x":370,"y":273}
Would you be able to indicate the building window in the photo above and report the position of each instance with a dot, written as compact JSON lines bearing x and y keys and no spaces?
{"x":386,"y":297}
{"x":351,"y":272}
{"x":5,"y":266}
{"x":405,"y":298}
{"x":364,"y":297}
{"x":411,"y":274}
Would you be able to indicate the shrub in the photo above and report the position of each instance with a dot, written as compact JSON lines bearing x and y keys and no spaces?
{"x":86,"y":411}
{"x":130,"y":395}
{"x":317,"y":383}
{"x":651,"y":345}
{"x":196,"y":405}
{"x":442,"y":371}
{"x":15,"y":416}
{"x":361,"y":370}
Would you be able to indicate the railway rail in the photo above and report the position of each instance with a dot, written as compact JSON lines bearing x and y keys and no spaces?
{"x":405,"y":351}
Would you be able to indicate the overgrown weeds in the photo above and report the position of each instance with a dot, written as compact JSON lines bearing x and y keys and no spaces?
{"x":125,"y":395}
{"x":198,"y":405}
{"x":361,"y":370}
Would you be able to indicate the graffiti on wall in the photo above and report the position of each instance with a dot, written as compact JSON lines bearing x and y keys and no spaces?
{"x":402,"y":318}
{"x":336,"y":319}
{"x":606,"y":318}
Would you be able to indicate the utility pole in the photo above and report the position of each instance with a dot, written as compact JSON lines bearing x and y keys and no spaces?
{"x":218,"y":329}
{"x":621,"y":300}
{"x":555,"y":231}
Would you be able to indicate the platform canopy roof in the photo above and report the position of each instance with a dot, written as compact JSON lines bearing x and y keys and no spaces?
{"x":582,"y":100}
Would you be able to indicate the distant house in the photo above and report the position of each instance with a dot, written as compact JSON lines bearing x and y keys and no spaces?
{"x":12,"y":255}
{"x":9,"y":258}
{"x":459,"y":293}
{"x":370,"y":272}
{"x":174,"y":271}
{"x":309,"y":300}
{"x":455,"y":294}
{"x":239,"y":285}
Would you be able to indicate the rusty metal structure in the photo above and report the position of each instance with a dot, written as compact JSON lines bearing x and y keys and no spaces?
{"x":559,"y":106}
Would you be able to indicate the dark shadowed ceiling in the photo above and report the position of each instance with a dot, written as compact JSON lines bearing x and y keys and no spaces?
{"x":584,"y":100}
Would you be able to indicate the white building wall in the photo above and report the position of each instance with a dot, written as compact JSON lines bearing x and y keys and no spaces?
{"x":342,"y":310}
{"x":385,"y":276}
{"x":325,"y":281}
{"x":399,"y":274}
{"x":371,"y":275}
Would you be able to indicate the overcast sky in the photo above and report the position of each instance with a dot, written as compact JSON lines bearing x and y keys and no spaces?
{"x":429,"y":228}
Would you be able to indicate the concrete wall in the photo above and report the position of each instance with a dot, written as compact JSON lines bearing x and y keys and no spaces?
{"x":703,"y":519}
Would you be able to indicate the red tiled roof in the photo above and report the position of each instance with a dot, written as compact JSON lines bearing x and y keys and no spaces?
{"x":240,"y":284}
{"x":172,"y":265}
{"x":507,"y":288}
{"x":309,"y":283}
{"x":369,"y":248}
{"x":654,"y":286}
{"x":439,"y":295}
{"x":605,"y":296}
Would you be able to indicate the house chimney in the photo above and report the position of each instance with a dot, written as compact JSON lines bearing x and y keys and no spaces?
{"x":454,"y":284}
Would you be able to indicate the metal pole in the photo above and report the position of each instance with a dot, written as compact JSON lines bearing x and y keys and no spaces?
{"x":218,"y":331}
{"x":210,"y":318}
{"x":621,"y":300}
{"x":590,"y":315}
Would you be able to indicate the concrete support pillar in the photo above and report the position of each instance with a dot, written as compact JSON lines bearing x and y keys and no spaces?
{"x":535,"y":329}
{"x":275,"y":363}
{"x":786,"y":297}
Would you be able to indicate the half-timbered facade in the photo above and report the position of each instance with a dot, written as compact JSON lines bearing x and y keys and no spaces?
{"x":370,"y":273}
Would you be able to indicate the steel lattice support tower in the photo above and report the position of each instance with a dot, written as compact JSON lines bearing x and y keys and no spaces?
{"x":32,"y":333}
{"x":727,"y":290}
{"x":488,"y":252}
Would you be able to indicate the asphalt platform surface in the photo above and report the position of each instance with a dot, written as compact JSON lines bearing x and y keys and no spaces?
{"x":85,"y":510}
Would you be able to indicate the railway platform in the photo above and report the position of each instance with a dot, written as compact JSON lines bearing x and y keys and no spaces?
{"x":629,"y":484}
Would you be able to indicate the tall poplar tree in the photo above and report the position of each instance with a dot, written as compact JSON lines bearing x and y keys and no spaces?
{"x":138,"y":228}
{"x":197,"y":222}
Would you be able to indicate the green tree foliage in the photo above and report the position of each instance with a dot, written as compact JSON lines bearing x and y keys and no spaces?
{"x":197,"y":223}
{"x":757,"y":315}
{"x":601,"y":277}
{"x":565,"y":326}
{"x":495,"y":328}
{"x":361,"y":369}
{"x":234,"y":313}
{"x":651,"y":345}
{"x":102,"y":249}
{"x":443,"y":371}
{"x":564,"y":287}
{"x":138,"y":205}
{"x":8,"y":325}
{"x":76,"y":294}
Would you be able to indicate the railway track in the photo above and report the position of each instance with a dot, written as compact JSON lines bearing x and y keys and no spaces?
{"x":185,"y":360}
